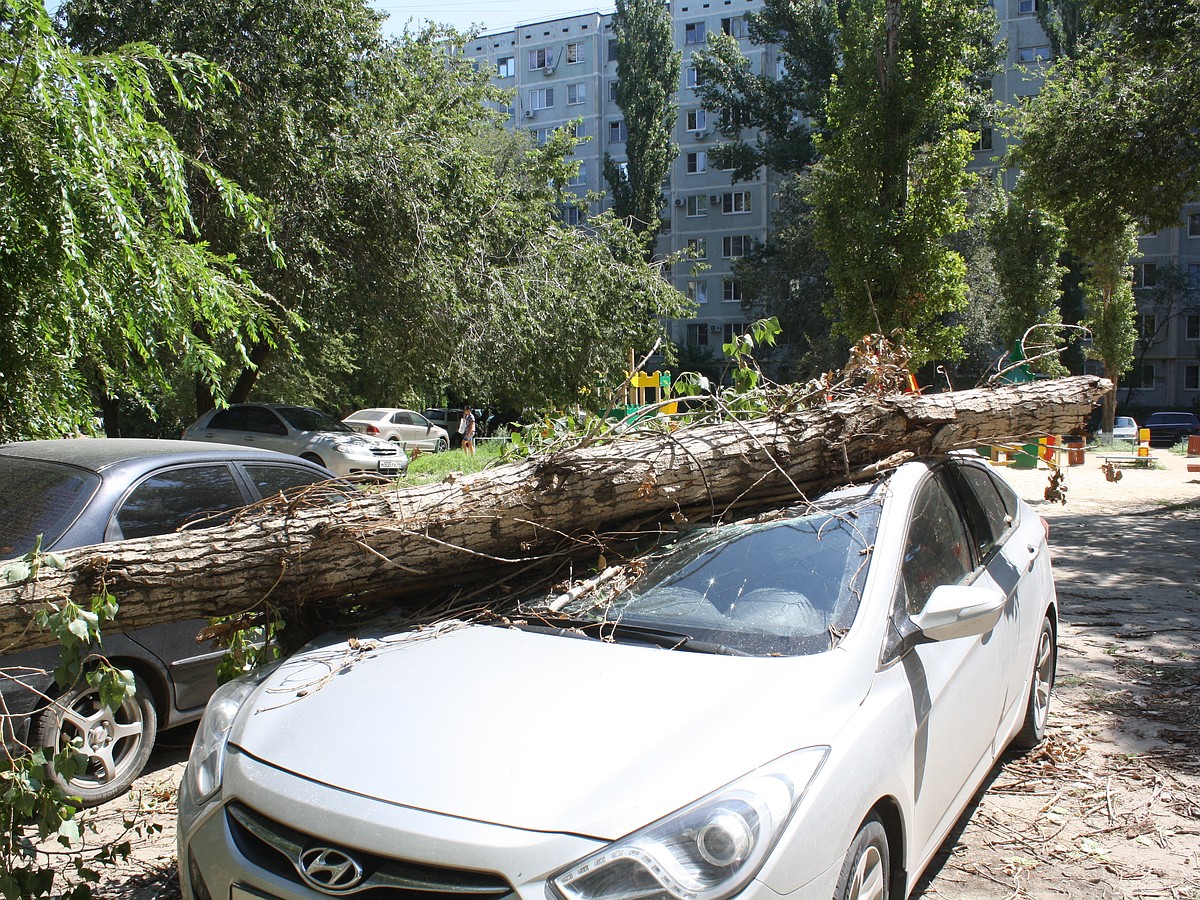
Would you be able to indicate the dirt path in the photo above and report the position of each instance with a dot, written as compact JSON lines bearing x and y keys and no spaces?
{"x":1108,"y":808}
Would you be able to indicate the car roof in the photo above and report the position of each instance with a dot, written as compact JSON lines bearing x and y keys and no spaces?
{"x":100,"y":454}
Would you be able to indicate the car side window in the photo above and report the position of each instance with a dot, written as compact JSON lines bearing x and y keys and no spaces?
{"x":166,"y":501}
{"x":274,"y":480}
{"x":232,"y":419}
{"x":263,"y":421}
{"x":983,"y":506}
{"x":937,"y":549}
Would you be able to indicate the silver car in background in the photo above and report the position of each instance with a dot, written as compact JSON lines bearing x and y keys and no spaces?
{"x":800,"y":704}
{"x":301,"y":431}
{"x":407,"y":428}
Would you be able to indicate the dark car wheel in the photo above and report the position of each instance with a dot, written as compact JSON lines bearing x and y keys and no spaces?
{"x":1037,"y":707}
{"x":866,"y":871}
{"x":441,"y":446}
{"x":115,"y":743}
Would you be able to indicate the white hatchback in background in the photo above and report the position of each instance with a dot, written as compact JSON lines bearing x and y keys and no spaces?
{"x":407,"y":428}
{"x":797,"y":705}
{"x":301,"y":431}
{"x":1125,"y":428}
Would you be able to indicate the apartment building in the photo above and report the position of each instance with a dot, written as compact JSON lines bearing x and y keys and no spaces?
{"x":565,"y":70}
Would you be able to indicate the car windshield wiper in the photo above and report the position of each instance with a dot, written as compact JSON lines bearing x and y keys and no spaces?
{"x":610,"y":629}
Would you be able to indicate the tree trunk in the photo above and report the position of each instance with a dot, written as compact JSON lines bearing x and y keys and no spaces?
{"x":419,"y":540}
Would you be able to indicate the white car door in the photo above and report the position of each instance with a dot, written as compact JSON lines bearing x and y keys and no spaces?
{"x":956,"y":686}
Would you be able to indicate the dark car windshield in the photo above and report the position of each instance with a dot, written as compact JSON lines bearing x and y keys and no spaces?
{"x":38,"y":497}
{"x":790,"y":586}
{"x":1171,"y":419}
{"x":304,"y":419}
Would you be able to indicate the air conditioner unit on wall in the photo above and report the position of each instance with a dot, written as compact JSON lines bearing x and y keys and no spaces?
{"x":679,"y":201}
{"x":700,"y":134}
{"x":529,"y":113}
{"x":714,"y":198}
{"x":548,"y":70}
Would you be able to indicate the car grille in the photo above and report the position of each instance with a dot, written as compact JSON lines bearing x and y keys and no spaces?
{"x":277,"y":848}
{"x":385,"y":451}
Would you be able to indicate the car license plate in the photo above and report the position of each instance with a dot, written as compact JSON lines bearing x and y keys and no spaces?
{"x":237,"y":892}
{"x":389,"y":465}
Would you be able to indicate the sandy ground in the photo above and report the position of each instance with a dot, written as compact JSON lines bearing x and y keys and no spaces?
{"x":1107,"y":808}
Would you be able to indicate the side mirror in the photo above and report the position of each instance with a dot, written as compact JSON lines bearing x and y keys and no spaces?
{"x":957,"y":611}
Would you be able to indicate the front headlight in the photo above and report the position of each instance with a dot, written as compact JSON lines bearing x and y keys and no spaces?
{"x":207,"y":758}
{"x":706,"y":851}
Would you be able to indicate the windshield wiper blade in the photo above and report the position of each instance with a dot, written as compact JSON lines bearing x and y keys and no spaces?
{"x":610,"y":629}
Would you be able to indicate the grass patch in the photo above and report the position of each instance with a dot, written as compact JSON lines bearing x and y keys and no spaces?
{"x":431,"y":467}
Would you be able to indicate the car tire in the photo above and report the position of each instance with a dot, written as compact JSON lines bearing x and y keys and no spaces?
{"x":441,"y":446}
{"x":1037,"y":704}
{"x":866,"y":872}
{"x":117,"y":744}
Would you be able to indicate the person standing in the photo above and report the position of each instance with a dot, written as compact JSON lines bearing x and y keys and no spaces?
{"x":467,"y":428}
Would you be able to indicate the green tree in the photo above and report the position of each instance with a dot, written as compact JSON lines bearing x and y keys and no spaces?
{"x":422,"y":241}
{"x":769,"y":117}
{"x":890,"y":185}
{"x":648,"y":67}
{"x":104,"y":288}
{"x":1028,"y":243}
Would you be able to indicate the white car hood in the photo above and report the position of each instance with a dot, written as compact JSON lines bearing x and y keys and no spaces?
{"x":538,"y":731}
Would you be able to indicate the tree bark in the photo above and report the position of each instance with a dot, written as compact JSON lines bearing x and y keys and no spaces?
{"x":403,"y":542}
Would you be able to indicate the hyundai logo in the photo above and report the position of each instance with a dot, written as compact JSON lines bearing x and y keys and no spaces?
{"x":329,"y":870}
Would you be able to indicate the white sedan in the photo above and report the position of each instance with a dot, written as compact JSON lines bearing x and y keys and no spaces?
{"x":405,"y":427}
{"x":801,"y":704}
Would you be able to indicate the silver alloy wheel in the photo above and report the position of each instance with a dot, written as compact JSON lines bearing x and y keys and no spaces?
{"x":113,"y":745}
{"x":869,"y":881}
{"x":1043,"y":676}
{"x":442,"y":445}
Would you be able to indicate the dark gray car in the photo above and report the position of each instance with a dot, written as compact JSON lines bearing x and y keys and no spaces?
{"x":76,"y":493}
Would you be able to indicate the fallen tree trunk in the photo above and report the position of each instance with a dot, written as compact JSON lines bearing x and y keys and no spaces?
{"x":402,"y":542}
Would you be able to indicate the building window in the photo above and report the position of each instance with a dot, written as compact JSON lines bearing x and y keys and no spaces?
{"x":570,"y":215}
{"x":735,"y":245}
{"x":698,"y":248}
{"x":541,"y":98}
{"x":580,"y":177}
{"x":734,"y":329}
{"x":697,"y":162}
{"x":731,"y":290}
{"x":540,"y":135}
{"x":697,"y":120}
{"x":697,"y":205}
{"x":577,"y":129}
{"x":1145,"y":275}
{"x":1191,"y":328}
{"x":1193,"y":224}
{"x":694,"y":33}
{"x":1033,"y":54}
{"x":1191,"y":378}
{"x":612,"y":92}
{"x":735,"y":26}
{"x":697,"y":291}
{"x":694,"y":78}
{"x":541,"y":59}
{"x":612,"y":49}
{"x":617,"y":132}
{"x":576,"y":94}
{"x":1145,"y":326}
{"x":506,"y":67}
{"x":575,"y":53}
{"x":735,"y":203}
{"x":733,"y":118}
{"x":697,"y":334}
{"x":1141,"y":377}
{"x":984,"y":141}
{"x":1026,"y":7}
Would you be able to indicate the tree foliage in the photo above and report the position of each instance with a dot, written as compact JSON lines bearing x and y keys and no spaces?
{"x":422,"y":241}
{"x":890,"y":184}
{"x":105,"y":288}
{"x":1028,"y":244}
{"x":648,"y":67}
